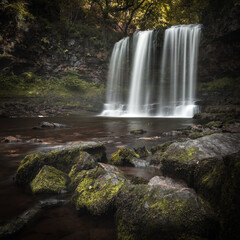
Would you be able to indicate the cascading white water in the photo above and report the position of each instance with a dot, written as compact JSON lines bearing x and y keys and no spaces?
{"x":179,"y":71}
{"x":176,"y":86}
{"x":117,"y":79}
{"x":139,"y":88}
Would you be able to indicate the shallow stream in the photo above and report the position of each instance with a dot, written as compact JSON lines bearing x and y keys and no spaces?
{"x":64,"y":222}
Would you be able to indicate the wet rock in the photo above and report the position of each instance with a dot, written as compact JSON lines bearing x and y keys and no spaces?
{"x":50,"y":180}
{"x":232,"y":128}
{"x":97,"y":189}
{"x":164,"y":210}
{"x":139,"y":163}
{"x":138,"y":180}
{"x":138,"y":131}
{"x":214,"y":124}
{"x":181,"y":158}
{"x":160,"y":147}
{"x":44,"y":125}
{"x":197,"y":128}
{"x":35,"y":140}
{"x":123,"y":157}
{"x":18,"y":223}
{"x":142,"y":151}
{"x":62,"y":158}
{"x":195,"y":135}
{"x":172,"y":133}
{"x":85,"y":162}
{"x":209,"y":176}
{"x":217,"y":180}
{"x":11,"y":139}
{"x":166,"y":182}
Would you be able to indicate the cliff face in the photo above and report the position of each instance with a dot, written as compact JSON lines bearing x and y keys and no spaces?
{"x":48,"y":50}
{"x":220,"y":48}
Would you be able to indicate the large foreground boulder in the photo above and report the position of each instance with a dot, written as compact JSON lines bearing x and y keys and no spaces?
{"x":164,"y":210}
{"x":180,"y":159}
{"x":62,"y":158}
{"x":97,"y":189}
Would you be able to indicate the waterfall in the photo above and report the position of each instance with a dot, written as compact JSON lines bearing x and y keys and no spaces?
{"x":139,"y":88}
{"x":179,"y":71}
{"x":117,"y":79}
{"x":135,"y":91}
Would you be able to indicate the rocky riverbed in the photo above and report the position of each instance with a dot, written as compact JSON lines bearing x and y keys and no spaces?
{"x":193,"y":195}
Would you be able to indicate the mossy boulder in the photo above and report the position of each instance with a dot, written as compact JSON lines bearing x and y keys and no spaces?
{"x":97,"y":189}
{"x":62,"y":158}
{"x":181,"y":158}
{"x":50,"y":180}
{"x":123,"y":157}
{"x":162,"y":211}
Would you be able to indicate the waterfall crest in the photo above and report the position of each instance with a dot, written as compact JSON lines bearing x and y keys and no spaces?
{"x":132,"y":88}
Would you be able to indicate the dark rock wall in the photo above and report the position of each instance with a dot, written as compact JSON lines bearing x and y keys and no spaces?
{"x":220,"y":45}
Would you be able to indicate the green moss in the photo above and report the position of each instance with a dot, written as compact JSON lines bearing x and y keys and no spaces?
{"x":49,"y":180}
{"x":221,"y":85}
{"x":123,"y":232}
{"x":182,"y":155}
{"x":161,"y":147}
{"x":31,"y":85}
{"x":138,"y":180}
{"x":149,"y":212}
{"x":89,"y":174}
{"x":85,"y":161}
{"x":123,"y":157}
{"x":214,"y":124}
{"x":62,"y":159}
{"x":96,"y":190}
{"x":196,"y":135}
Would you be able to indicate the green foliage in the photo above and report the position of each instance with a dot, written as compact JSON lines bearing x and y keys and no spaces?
{"x":31,"y":85}
{"x":221,"y":85}
{"x":18,"y":10}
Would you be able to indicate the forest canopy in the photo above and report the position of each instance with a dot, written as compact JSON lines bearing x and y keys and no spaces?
{"x":124,"y":16}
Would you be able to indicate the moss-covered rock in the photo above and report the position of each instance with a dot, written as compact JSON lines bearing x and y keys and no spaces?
{"x":62,"y":158}
{"x":142,"y":151}
{"x":230,"y":198}
{"x":214,"y":124}
{"x":162,"y":212}
{"x":85,"y":162}
{"x":50,"y":180}
{"x":160,"y":147}
{"x":15,"y":225}
{"x":181,"y":158}
{"x":123,"y":157}
{"x":195,"y":135}
{"x":97,"y":189}
{"x":138,"y":180}
{"x":209,"y":176}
